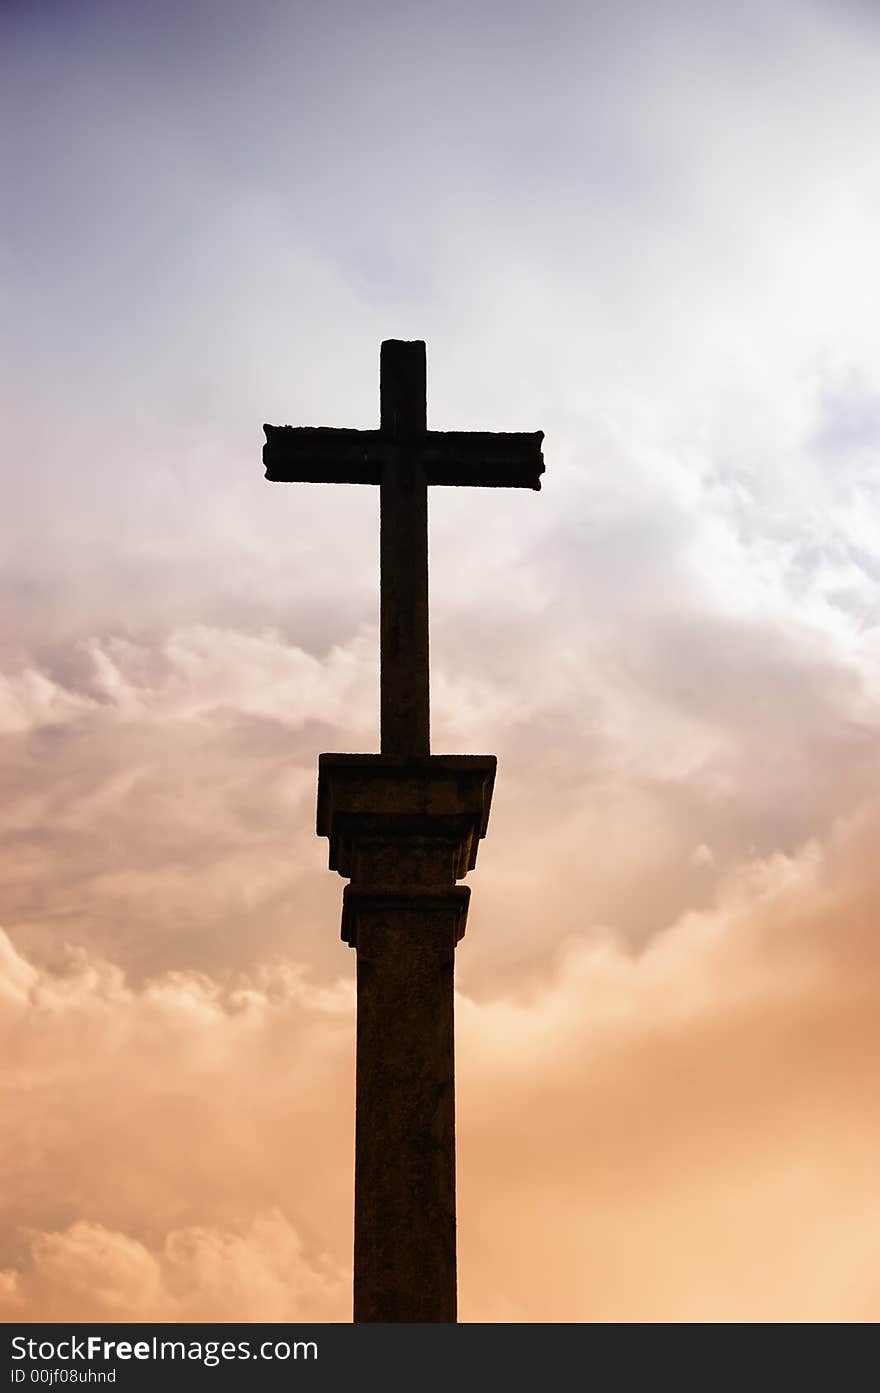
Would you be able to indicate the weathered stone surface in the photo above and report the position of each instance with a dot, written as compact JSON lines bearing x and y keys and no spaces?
{"x":404,"y":822}
{"x":462,"y":459}
{"x":404,"y":830}
{"x":404,"y":1237}
{"x":403,"y":608}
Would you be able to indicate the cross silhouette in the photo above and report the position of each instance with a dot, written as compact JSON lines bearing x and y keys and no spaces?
{"x":403,"y":457}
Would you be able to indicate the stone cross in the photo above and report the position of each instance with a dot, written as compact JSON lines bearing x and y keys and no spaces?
{"x":403,"y":457}
{"x":404,"y":825}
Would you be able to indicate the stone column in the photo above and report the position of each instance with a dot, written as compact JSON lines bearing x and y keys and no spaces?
{"x":404,"y":831}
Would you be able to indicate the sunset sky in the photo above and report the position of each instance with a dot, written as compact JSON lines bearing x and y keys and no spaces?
{"x":649,"y":229}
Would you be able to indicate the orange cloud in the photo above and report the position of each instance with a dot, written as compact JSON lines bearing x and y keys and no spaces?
{"x":688,"y":1131}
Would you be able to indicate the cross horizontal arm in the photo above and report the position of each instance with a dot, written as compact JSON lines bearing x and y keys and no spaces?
{"x":325,"y":455}
{"x":491,"y":459}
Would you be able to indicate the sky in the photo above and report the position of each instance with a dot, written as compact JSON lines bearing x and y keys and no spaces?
{"x":649,"y":230}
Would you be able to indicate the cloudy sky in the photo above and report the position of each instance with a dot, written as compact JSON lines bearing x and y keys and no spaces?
{"x":649,"y":229}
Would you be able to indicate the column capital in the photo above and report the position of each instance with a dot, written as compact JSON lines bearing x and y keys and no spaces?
{"x":402,"y":821}
{"x":430,"y":909}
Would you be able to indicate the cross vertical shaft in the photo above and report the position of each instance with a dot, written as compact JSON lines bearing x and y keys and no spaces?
{"x":403,"y":548}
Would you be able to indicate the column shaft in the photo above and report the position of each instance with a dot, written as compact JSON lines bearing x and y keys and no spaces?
{"x":404,"y":1255}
